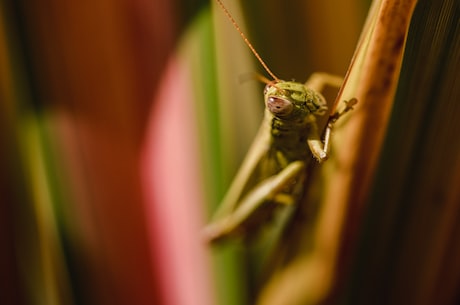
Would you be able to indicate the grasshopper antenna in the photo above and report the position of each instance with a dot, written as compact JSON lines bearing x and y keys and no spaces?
{"x":237,"y":27}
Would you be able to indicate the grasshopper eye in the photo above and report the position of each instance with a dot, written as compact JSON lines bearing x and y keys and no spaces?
{"x":279,"y":106}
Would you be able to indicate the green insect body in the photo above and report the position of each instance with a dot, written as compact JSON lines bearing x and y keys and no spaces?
{"x":273,"y":171}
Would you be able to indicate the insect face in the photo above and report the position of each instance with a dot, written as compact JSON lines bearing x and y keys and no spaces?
{"x":290,"y":99}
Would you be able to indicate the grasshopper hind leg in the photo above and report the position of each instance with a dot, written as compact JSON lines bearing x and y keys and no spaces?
{"x":250,"y":209}
{"x":319,"y":80}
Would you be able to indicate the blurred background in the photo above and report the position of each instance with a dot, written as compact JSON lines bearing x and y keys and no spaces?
{"x":123,"y":122}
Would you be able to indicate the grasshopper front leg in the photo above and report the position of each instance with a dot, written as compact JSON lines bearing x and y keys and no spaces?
{"x":317,"y":82}
{"x":320,"y":149}
{"x":333,"y":118}
{"x":268,"y":190}
{"x":315,"y":144}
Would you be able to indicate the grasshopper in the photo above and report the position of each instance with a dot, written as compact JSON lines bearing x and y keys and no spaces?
{"x":273,"y":172}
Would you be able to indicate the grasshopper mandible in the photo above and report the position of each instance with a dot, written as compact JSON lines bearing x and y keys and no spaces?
{"x":273,"y":172}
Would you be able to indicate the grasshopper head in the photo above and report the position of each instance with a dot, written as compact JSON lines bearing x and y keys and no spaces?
{"x":286,"y":100}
